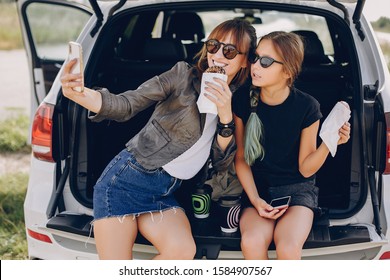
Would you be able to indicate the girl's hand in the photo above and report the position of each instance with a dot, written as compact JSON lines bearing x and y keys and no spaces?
{"x":70,"y":81}
{"x":344,"y":133}
{"x":267,"y":211}
{"x":221,"y":96}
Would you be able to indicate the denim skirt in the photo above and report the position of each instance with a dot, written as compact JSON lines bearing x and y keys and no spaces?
{"x":126,"y":188}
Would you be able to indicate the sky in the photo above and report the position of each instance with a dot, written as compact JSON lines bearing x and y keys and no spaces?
{"x":374,"y":9}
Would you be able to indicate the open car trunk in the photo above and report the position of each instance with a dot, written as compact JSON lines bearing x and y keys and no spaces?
{"x":120,"y":62}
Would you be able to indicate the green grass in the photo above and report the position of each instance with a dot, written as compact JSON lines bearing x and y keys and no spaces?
{"x":13,"y":136}
{"x":13,"y":244}
{"x":10,"y":33}
{"x":382,"y":24}
{"x":14,"y":133}
{"x":49,"y":24}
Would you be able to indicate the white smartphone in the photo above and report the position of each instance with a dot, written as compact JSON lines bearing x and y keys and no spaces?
{"x":76,"y":51}
{"x":281,"y":202}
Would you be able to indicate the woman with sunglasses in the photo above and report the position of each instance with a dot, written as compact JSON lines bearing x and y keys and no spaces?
{"x":135,"y":191}
{"x":277,"y":156}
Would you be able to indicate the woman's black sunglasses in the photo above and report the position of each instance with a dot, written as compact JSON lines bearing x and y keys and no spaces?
{"x":229,"y":51}
{"x":265,"y":61}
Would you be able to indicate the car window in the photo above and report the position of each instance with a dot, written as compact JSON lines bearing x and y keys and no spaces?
{"x":158,"y":27}
{"x":268,"y":21}
{"x":52,"y":27}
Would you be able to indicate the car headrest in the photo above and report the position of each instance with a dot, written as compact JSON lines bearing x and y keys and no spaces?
{"x":163,"y":49}
{"x":185,"y":26}
{"x":314,"y":50}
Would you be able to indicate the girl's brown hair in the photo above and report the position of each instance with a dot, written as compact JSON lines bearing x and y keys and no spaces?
{"x":244,"y":38}
{"x":290,"y":47}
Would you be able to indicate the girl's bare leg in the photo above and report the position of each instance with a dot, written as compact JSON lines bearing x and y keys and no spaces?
{"x":170,"y":232}
{"x":291,"y":232}
{"x":256,"y":234}
{"x":115,"y":237}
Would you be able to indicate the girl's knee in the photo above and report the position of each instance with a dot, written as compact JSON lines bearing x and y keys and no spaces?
{"x":256,"y":242}
{"x":289,"y":251}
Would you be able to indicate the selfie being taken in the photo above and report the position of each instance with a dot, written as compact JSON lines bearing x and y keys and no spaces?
{"x":221,"y":130}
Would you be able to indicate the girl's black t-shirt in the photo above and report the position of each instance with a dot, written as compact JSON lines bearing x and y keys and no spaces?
{"x":282,"y":125}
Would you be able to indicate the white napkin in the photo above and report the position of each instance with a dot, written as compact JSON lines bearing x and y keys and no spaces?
{"x":204,"y":104}
{"x":329,"y":133}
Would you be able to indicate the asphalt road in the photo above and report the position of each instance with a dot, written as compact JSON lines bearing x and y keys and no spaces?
{"x":14,"y":83}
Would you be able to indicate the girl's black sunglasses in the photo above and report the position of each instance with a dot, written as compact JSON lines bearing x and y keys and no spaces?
{"x":265,"y":61}
{"x":229,"y":51}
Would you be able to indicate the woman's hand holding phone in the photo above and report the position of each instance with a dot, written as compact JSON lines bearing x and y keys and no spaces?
{"x":72,"y":81}
{"x":73,"y":76}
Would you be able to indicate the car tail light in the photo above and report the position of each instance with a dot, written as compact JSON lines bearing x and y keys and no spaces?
{"x":387,"y":167}
{"x":39,"y":236}
{"x":385,"y":256}
{"x":41,"y":135}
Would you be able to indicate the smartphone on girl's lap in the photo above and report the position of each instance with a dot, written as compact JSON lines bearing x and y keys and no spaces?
{"x":281,"y":202}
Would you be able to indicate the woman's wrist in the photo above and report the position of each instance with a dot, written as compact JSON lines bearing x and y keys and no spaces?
{"x":225,"y":120}
{"x":226,"y":129}
{"x":93,"y":100}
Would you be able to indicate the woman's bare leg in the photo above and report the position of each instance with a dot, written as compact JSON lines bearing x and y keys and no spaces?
{"x":256,"y":234}
{"x":291,"y":232}
{"x":115,"y":237}
{"x":170,"y":232}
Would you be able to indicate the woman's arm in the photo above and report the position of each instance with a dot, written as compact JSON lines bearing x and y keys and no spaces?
{"x":223,"y":142}
{"x":121,"y":107}
{"x":310,"y":158}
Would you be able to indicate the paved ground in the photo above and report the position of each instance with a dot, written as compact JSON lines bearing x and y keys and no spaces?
{"x":14,"y":82}
{"x":14,"y":163}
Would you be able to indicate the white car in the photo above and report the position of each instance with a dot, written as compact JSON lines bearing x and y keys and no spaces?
{"x":127,"y":42}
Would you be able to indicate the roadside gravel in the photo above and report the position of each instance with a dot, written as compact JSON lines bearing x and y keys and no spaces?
{"x":14,"y":163}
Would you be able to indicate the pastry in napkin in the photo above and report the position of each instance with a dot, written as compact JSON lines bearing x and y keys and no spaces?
{"x":204,"y":104}
{"x":329,"y":133}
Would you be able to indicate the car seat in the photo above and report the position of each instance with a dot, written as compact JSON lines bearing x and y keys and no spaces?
{"x":314,"y":50}
{"x":157,"y":56}
{"x":188,"y":28}
{"x":327,"y":81}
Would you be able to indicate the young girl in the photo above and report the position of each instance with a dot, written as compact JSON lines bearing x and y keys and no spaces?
{"x":276,"y":132}
{"x":135,"y":191}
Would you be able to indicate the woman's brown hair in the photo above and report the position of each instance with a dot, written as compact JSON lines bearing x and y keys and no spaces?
{"x":244,"y":38}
